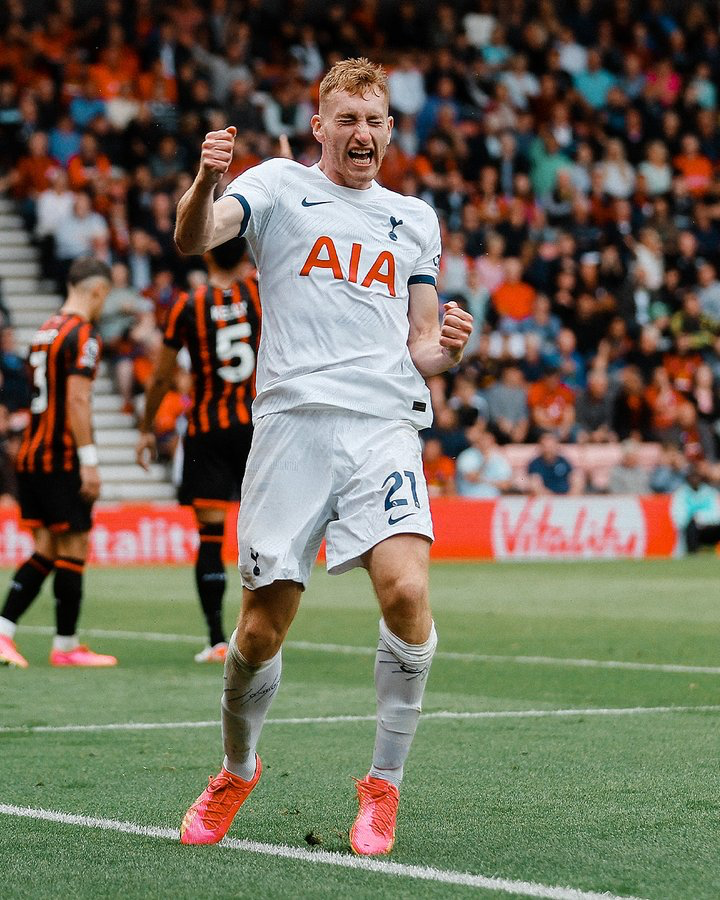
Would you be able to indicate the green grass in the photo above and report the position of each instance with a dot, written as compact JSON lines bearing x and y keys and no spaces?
{"x":626,"y":804}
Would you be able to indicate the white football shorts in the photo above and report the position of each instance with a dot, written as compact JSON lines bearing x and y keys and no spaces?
{"x":312,"y":473}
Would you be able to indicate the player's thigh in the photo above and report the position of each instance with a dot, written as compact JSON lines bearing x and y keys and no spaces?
{"x":209,"y":477}
{"x":53,"y":501}
{"x":286,"y":497}
{"x":210,"y":513}
{"x":30,"y":497}
{"x":383,"y":493}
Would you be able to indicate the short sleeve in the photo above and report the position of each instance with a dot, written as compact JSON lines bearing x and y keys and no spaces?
{"x":427,"y":267}
{"x":255,"y":191}
{"x":85,"y":352}
{"x":174,"y":335}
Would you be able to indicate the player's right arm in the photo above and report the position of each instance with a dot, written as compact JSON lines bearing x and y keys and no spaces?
{"x":201,"y":222}
{"x":159,"y":384}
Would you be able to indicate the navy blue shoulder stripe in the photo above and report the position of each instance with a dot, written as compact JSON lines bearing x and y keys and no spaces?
{"x":246,"y":210}
{"x":421,"y":279}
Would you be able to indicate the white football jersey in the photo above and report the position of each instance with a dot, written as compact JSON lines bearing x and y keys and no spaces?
{"x":334,"y":267}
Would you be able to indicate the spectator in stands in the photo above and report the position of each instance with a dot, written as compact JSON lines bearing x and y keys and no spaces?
{"x":655,"y":169}
{"x":8,"y":478}
{"x":16,"y":389}
{"x":686,"y":433}
{"x":664,"y":402}
{"x":629,"y":476}
{"x":646,"y":355}
{"x":565,"y":357}
{"x":163,"y":293}
{"x":64,"y":139}
{"x":447,"y":430}
{"x":224,"y":68}
{"x":482,"y":470}
{"x":455,"y":267}
{"x":87,"y":166}
{"x":552,"y":406}
{"x":669,"y":472}
{"x":695,"y":168}
{"x":32,"y":175}
{"x":513,"y":300}
{"x":465,"y":399}
{"x":682,"y":361}
{"x":594,"y":410}
{"x":705,"y":396}
{"x":541,"y":322}
{"x":695,"y":509}
{"x":552,"y":473}
{"x":618,"y":176}
{"x":632,"y":416}
{"x":54,"y":207}
{"x":708,"y":293}
{"x":438,"y":468}
{"x":490,"y":268}
{"x":83,"y":233}
{"x":507,"y":406}
{"x":407,"y":86}
{"x":126,"y":327}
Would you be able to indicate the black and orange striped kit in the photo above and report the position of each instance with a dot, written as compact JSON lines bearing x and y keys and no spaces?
{"x":65,"y":345}
{"x":221,"y":330}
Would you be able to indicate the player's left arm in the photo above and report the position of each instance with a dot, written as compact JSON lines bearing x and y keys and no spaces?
{"x":79,"y":394}
{"x":435,"y":347}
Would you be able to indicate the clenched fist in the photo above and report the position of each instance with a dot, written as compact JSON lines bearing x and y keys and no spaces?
{"x":455,"y":330}
{"x":217,"y":153}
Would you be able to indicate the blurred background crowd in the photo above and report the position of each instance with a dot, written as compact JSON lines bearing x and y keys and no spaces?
{"x":570,"y":149}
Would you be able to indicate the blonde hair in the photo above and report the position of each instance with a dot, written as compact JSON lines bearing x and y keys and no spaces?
{"x":355,"y":76}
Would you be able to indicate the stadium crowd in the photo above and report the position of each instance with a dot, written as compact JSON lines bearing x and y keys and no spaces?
{"x":571,"y":151}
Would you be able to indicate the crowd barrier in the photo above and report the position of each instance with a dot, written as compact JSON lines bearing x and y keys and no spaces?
{"x":516,"y":528}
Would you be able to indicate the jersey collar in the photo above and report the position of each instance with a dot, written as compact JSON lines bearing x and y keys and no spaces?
{"x":353,"y":194}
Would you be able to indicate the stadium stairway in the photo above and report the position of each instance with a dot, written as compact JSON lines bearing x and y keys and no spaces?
{"x":30,"y":301}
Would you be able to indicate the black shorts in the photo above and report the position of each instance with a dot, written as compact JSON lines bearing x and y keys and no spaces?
{"x":53,"y":501}
{"x":214,"y":465}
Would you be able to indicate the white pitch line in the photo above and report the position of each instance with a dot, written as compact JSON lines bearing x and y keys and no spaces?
{"x":354,"y":650}
{"x":324,"y":857}
{"x":334,"y":720}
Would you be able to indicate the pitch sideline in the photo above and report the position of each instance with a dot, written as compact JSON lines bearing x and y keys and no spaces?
{"x":165,"y":638}
{"x":323,"y":857}
{"x":443,"y":715}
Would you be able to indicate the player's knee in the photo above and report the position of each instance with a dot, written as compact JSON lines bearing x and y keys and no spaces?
{"x":404,"y":598}
{"x":258,"y":637}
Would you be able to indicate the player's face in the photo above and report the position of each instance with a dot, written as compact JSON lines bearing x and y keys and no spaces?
{"x":354,"y":130}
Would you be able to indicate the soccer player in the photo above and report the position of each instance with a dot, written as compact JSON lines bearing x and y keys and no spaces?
{"x":219,"y":323}
{"x":57,"y":465}
{"x":347,"y":274}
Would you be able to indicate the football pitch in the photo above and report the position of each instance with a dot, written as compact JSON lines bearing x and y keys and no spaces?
{"x":569,"y":747}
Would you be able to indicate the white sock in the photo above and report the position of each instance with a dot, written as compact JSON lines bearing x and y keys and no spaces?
{"x":7,"y":628}
{"x":65,"y":644}
{"x":401,"y":670}
{"x":246,"y":699}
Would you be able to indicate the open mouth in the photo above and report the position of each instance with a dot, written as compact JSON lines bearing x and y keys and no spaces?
{"x":361,"y":157}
